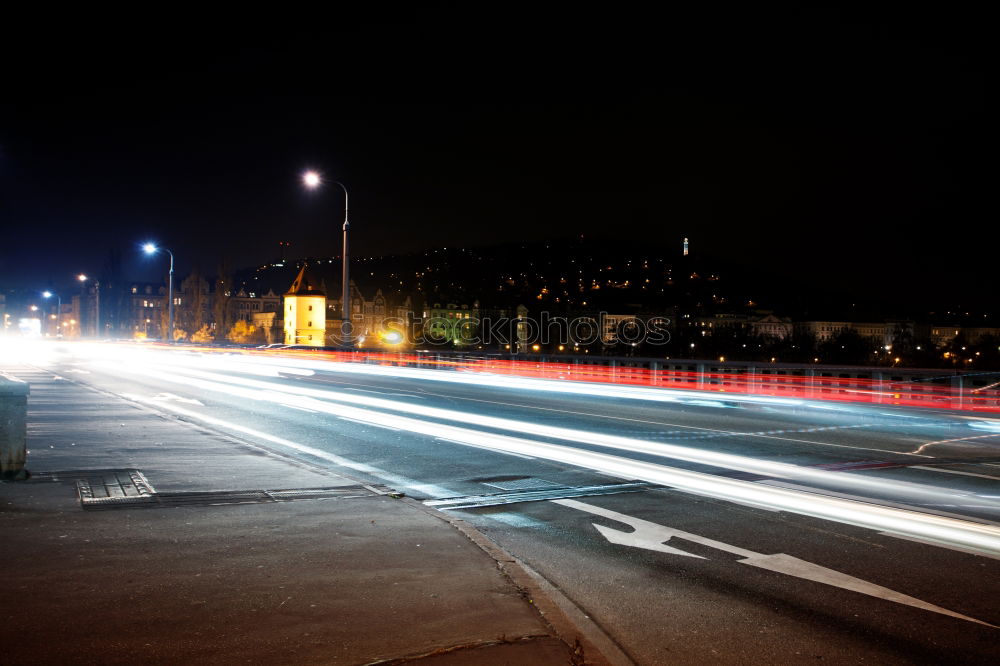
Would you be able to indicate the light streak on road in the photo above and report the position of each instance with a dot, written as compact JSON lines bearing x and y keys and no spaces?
{"x":879,"y":487}
{"x":949,"y":532}
{"x":401,"y":481}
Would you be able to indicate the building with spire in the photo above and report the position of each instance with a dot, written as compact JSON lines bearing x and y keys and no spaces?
{"x":305,"y":311}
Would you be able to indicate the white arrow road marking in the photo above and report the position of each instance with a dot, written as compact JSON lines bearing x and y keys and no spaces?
{"x":651,"y":535}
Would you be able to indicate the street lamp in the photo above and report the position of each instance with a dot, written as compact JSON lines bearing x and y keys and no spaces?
{"x":151,"y":248}
{"x":97,"y":305}
{"x":49,"y":294}
{"x":312,"y":180}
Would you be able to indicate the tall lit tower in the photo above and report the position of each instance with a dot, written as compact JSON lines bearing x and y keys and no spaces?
{"x":685,"y":247}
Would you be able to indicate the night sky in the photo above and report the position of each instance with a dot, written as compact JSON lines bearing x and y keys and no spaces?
{"x":819,"y":146}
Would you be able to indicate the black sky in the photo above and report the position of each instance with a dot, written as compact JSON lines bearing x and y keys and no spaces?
{"x":849,"y":149}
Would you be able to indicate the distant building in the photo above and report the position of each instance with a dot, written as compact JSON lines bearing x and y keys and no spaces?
{"x":616,"y":328}
{"x":305,"y":312}
{"x":144,"y":309}
{"x":247,"y":305}
{"x":770,"y":326}
{"x":821,"y":330}
{"x":453,"y":324}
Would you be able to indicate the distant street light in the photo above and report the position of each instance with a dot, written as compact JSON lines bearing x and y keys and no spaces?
{"x":97,"y":305}
{"x":49,"y":294}
{"x":312,"y":180}
{"x":151,"y":248}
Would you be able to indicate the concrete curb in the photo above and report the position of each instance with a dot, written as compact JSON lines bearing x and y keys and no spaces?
{"x":566,"y":619}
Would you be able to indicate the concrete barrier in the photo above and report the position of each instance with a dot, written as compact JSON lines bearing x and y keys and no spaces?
{"x":13,"y":426}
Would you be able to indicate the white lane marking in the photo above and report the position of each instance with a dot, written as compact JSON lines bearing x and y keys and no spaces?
{"x":301,"y":409}
{"x":177,"y":398}
{"x":78,"y":371}
{"x":393,"y":479}
{"x":395,"y":395}
{"x":960,"y":532}
{"x":364,"y":423}
{"x":650,"y":536}
{"x":955,"y":471}
{"x":927,"y":445}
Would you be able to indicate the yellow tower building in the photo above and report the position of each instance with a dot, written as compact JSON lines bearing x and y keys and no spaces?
{"x":305,"y":312}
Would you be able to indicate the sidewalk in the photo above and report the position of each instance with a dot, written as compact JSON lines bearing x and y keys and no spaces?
{"x":166,"y":576}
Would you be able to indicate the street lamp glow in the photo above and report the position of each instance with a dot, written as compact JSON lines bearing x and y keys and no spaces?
{"x":151,"y":248}
{"x":47,"y":294}
{"x":81,"y":277}
{"x":311,"y":179}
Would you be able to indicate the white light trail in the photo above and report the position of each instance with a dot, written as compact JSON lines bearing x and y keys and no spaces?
{"x":399,"y":481}
{"x":878,"y":486}
{"x":945,"y":531}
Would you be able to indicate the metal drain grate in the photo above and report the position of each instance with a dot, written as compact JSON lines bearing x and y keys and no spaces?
{"x":221,"y":497}
{"x":114,"y":485}
{"x":528,"y":483}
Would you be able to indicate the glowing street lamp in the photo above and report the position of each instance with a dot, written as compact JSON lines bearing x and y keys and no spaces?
{"x":312,"y":180}
{"x":97,"y":304}
{"x":151,"y":248}
{"x":49,"y":294}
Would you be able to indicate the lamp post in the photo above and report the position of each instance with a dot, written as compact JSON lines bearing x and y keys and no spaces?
{"x":97,"y":305}
{"x":151,"y":248}
{"x":49,"y":294}
{"x":312,"y":180}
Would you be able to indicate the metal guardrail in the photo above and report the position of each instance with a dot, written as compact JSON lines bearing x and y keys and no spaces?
{"x":900,"y":386}
{"x":915,"y":387}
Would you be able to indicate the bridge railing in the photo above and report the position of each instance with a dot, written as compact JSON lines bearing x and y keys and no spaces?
{"x":976,"y":391}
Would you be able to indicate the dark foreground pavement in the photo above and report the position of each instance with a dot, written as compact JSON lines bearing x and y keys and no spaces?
{"x":165,"y":575}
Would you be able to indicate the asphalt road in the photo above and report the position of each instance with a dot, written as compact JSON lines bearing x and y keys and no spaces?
{"x":692,"y":529}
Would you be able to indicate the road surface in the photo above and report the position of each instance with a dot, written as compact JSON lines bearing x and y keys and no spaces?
{"x":691,"y":528}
